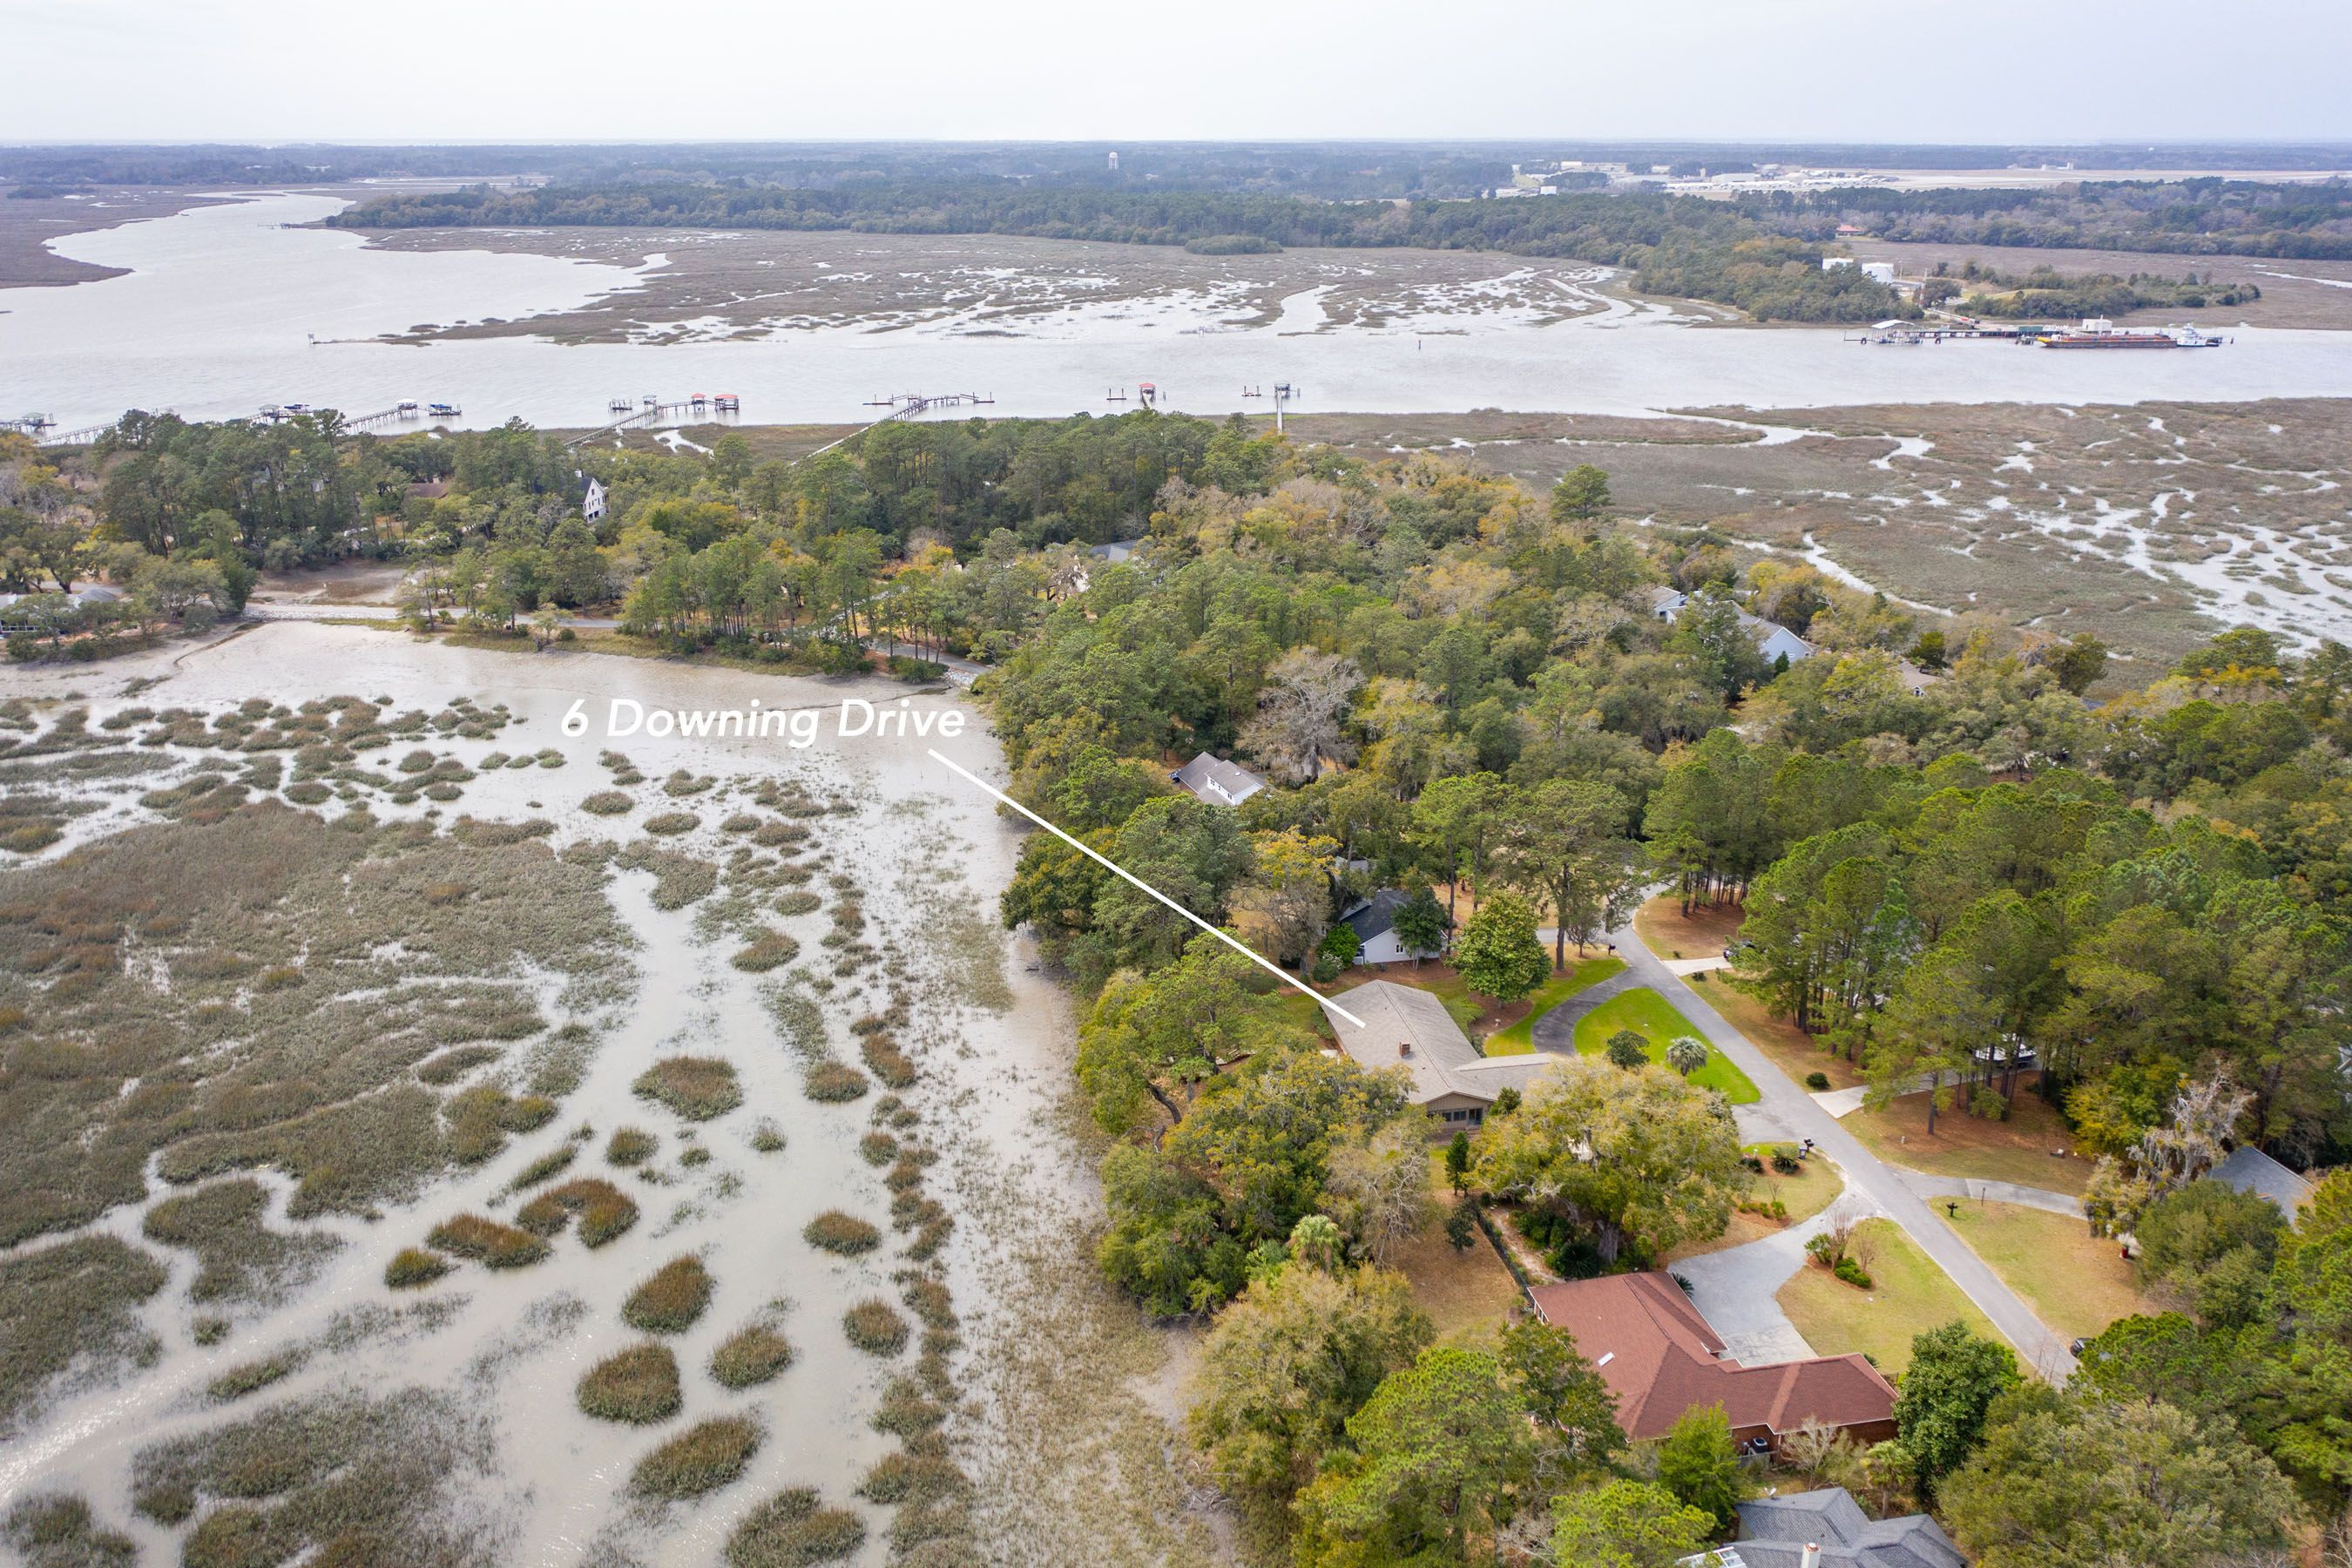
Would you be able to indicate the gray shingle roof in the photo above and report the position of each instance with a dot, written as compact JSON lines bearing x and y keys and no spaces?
{"x":1442,"y":1060}
{"x":1377,"y":913}
{"x":2250,"y":1170}
{"x":1218,"y":782}
{"x":1774,"y":1532}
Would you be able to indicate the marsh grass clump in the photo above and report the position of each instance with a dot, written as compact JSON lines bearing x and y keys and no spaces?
{"x":678,"y":879}
{"x":799,"y":902}
{"x":671,"y":1299}
{"x":486,"y":1242}
{"x":239,"y":1380}
{"x":607,"y":802}
{"x":546,"y":1166}
{"x":741,"y":822}
{"x":480,"y":1118}
{"x":414,"y":1265}
{"x":769,"y":950}
{"x":834,"y":1083}
{"x":208,"y":1330}
{"x":670,"y":824}
{"x":793,"y":1529}
{"x":57,"y":1531}
{"x":631,"y":1146}
{"x":767,"y":1137}
{"x":877,"y":1148}
{"x":696,"y":1088}
{"x":451,"y":1065}
{"x":702,"y":1458}
{"x":874,"y":1327}
{"x":928,"y":1299}
{"x":604,"y":1209}
{"x":840,"y":1233}
{"x":888,"y":1063}
{"x":750,"y":1357}
{"x":681,"y":784}
{"x":637,"y":1386}
{"x":910,"y":1478}
{"x":241,"y":1259}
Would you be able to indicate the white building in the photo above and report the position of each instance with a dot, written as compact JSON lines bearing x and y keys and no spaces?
{"x":1374,"y":922}
{"x":1773,"y":640}
{"x":1216,"y":781}
{"x":592,"y":506}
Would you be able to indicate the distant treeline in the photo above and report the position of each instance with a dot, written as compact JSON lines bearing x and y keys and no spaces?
{"x":2045,"y":293}
{"x":2191,"y":217}
{"x":1681,"y":245}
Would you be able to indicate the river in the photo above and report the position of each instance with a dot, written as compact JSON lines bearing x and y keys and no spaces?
{"x":218,"y":310}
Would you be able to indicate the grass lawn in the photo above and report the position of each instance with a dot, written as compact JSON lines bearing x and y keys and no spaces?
{"x":2017,"y":1150}
{"x":1909,"y":1295}
{"x":1706,"y":931}
{"x":1518,"y":1039}
{"x":1653,"y":1018}
{"x":2077,"y":1282}
{"x":1467,"y":1294}
{"x":1813,"y":1188}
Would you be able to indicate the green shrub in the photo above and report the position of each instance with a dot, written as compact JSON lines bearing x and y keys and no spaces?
{"x":672,"y":1298}
{"x":703,"y":1457}
{"x":842,"y":1233}
{"x":631,"y":1146}
{"x":750,"y":1357}
{"x":488,"y":1242}
{"x":410,"y":1266}
{"x":638,"y":1385}
{"x":875,"y":1326}
{"x":1852,"y":1273}
{"x":791,"y":1530}
{"x":696,"y":1088}
{"x":1817,"y":1081}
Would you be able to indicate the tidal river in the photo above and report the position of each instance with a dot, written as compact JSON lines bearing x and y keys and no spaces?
{"x":219,"y":314}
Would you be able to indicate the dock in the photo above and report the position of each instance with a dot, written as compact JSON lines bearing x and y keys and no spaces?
{"x":652,"y":411}
{"x":910,"y":405}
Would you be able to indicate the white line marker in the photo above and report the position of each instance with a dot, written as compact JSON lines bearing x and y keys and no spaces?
{"x":1271,"y":968}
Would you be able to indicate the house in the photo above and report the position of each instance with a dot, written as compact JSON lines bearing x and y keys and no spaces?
{"x":1660,"y":1358}
{"x":1773,"y":640}
{"x":1827,"y":1528}
{"x":1117,"y":551}
{"x":1218,"y":782}
{"x":1374,"y":922}
{"x":592,"y":505}
{"x":2250,"y":1170}
{"x":1409,"y":1027}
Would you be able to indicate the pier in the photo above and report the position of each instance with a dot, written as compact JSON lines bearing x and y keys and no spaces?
{"x":910,"y":405}
{"x":653,"y":411}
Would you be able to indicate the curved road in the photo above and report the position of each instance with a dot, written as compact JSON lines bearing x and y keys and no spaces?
{"x":1889,"y":1191}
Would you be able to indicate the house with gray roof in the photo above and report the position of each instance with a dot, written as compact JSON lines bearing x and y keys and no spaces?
{"x":1217,"y":781}
{"x":1773,"y":640}
{"x":2250,"y":1170}
{"x":1409,"y":1027}
{"x":1373,"y":920}
{"x":1827,"y":1528}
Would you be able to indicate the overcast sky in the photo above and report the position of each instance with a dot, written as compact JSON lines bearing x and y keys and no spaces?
{"x":1878,"y":70}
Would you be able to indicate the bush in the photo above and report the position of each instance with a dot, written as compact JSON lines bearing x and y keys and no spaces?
{"x":834,"y":1083}
{"x":791,"y":1531}
{"x":1847,"y":1269}
{"x":488,"y":1242}
{"x":841,"y":1233}
{"x":671,"y":1299}
{"x":1785,"y":1160}
{"x":703,"y":1457}
{"x":750,"y":1357}
{"x":875,"y":1326}
{"x":413,"y":1265}
{"x":638,"y":1385}
{"x":696,"y":1088}
{"x":1817,"y":1081}
{"x":631,"y":1146}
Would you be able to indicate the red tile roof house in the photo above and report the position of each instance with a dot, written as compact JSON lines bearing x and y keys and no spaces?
{"x":1660,"y":1358}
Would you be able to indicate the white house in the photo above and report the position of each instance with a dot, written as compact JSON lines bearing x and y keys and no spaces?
{"x":592,"y":506}
{"x":1218,"y":782}
{"x":1773,"y":640}
{"x":1408,"y":1027}
{"x":1374,"y":919}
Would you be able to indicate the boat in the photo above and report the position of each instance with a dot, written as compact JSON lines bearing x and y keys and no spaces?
{"x":298,"y":408}
{"x":619,"y":406}
{"x":2097,"y":333}
{"x":442,"y":410}
{"x":406,"y":408}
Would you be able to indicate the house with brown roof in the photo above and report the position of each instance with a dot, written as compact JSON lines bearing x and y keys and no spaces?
{"x":1660,"y":1358}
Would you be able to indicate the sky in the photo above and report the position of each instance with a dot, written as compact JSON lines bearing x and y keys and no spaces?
{"x":1870,"y":70}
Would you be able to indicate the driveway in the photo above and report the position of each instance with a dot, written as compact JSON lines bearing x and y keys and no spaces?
{"x":1871,"y":1179}
{"x":1735,"y":1290}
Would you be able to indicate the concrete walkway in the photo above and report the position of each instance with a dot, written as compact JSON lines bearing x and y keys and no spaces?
{"x":1871,"y":1181}
{"x":1973,"y":1189}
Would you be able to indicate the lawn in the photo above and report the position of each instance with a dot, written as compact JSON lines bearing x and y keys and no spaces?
{"x":1909,"y":1295}
{"x":2017,"y":1150}
{"x":1518,"y":1039}
{"x":1653,"y":1018}
{"x":1468,"y":1294}
{"x":2077,"y":1282}
{"x":1708,"y":928}
{"x":1813,"y":1188}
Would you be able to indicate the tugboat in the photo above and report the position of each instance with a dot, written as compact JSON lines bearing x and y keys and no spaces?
{"x":2098,"y":332}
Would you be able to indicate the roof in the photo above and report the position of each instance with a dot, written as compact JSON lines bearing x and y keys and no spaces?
{"x":1668,"y":604}
{"x":1409,"y":1027}
{"x":1117,"y":550}
{"x":1774,"y":1532}
{"x":1377,"y":913}
{"x":1660,"y":1358}
{"x":1217,"y":781}
{"x":2250,"y":1170}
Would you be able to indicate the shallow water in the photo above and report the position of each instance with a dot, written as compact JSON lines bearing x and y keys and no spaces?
{"x":215,"y":317}
{"x":987,"y":1078}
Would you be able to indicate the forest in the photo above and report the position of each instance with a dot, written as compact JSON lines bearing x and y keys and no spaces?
{"x":1990,"y":858}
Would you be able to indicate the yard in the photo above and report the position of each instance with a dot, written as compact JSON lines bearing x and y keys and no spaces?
{"x":1518,"y":1039}
{"x":1468,"y":1294}
{"x":1909,"y":1295}
{"x":2077,"y":1282}
{"x":1653,"y":1018}
{"x":1708,"y":928}
{"x":2033,"y":1147}
{"x":1813,"y":1188}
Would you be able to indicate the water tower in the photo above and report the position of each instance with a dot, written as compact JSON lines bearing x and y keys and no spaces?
{"x":1114,"y":163}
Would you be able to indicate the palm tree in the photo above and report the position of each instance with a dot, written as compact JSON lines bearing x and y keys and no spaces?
{"x":1686,"y":1054}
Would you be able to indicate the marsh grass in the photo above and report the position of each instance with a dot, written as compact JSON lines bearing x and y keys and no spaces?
{"x":696,"y":1088}
{"x":750,"y":1357}
{"x":604,"y":1210}
{"x":834,"y":1083}
{"x":57,"y":1531}
{"x":454,"y":1063}
{"x":702,"y":1458}
{"x":875,"y":1327}
{"x":240,"y":1259}
{"x":799,"y":902}
{"x":631,"y":1146}
{"x":414,"y":1265}
{"x":678,"y":879}
{"x":769,"y":950}
{"x":607,"y":802}
{"x":840,"y":1233}
{"x":877,"y":1148}
{"x":671,"y":1299}
{"x":74,"y":1305}
{"x":252,"y":1376}
{"x":486,"y":1242}
{"x":637,"y":1386}
{"x":767,"y":1137}
{"x":670,"y":824}
{"x":547,"y":1166}
{"x":794,"y":1530}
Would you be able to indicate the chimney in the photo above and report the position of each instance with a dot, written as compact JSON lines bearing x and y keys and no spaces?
{"x":1813,"y":1555}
